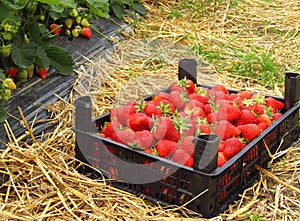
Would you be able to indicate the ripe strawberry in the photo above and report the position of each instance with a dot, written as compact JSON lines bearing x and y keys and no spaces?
{"x":151,"y":109}
{"x":265,"y":118}
{"x":250,"y":131}
{"x":182,"y":157}
{"x":260,"y":109}
{"x":276,"y":116}
{"x":175,"y":86}
{"x":121,"y":114}
{"x":125,"y":136}
{"x":224,"y":129}
{"x":167,"y":107}
{"x":11,"y":72}
{"x":188,"y":85}
{"x":190,"y":127}
{"x":86,"y":32}
{"x":164,"y":128}
{"x":228,"y":112}
{"x":274,"y":104}
{"x":245,"y":95}
{"x":55,"y":29}
{"x":110,"y":128}
{"x":232,"y":146}
{"x":247,"y":117}
{"x":218,"y":87}
{"x":165,"y":147}
{"x":201,"y":95}
{"x":42,"y":72}
{"x":221,"y":146}
{"x":145,"y":138}
{"x":178,"y":98}
{"x":262,"y":126}
{"x":193,"y":103}
{"x":157,"y":98}
{"x":221,"y":159}
{"x":138,"y":121}
{"x":212,"y":118}
{"x":150,"y":151}
{"x":187,"y":145}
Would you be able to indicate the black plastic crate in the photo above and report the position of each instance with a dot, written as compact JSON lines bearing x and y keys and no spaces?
{"x":206,"y":188}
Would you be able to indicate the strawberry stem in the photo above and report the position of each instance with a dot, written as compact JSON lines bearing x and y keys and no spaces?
{"x":102,"y":35}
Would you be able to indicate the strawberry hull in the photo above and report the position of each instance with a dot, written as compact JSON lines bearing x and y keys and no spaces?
{"x":205,"y":188}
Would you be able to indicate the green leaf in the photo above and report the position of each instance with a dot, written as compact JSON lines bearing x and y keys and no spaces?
{"x":60,"y":60}
{"x":2,"y":114}
{"x":35,"y":33}
{"x":4,"y":12}
{"x":15,"y":5}
{"x":99,"y":7}
{"x":49,"y":2}
{"x":25,"y":55}
{"x":2,"y":75}
{"x":119,"y":11}
{"x":140,"y":8}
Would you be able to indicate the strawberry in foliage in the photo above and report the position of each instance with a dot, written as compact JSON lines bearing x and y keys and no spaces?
{"x":86,"y":32}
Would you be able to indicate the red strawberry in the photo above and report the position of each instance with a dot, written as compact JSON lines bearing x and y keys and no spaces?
{"x":247,"y":117}
{"x":265,"y":118}
{"x":125,"y":136}
{"x":121,"y":114}
{"x":231,"y":147}
{"x":42,"y":72}
{"x":109,"y":129}
{"x":260,"y":109}
{"x":262,"y":126}
{"x":157,"y":98}
{"x":164,"y":128}
{"x":221,"y":159}
{"x":245,"y":95}
{"x":218,"y":87}
{"x":11,"y":72}
{"x":167,"y":107}
{"x":165,"y":147}
{"x":175,"y":86}
{"x":151,"y":109}
{"x":193,"y":103}
{"x":55,"y":28}
{"x":224,"y":129}
{"x":221,"y":146}
{"x":178,"y":99}
{"x":228,"y":112}
{"x":182,"y":157}
{"x":190,"y":128}
{"x":274,"y":104}
{"x":188,"y":85}
{"x":145,"y":138}
{"x":276,"y":116}
{"x":187,"y":145}
{"x":149,"y":150}
{"x":138,"y":121}
{"x":250,"y":131}
{"x":86,"y":32}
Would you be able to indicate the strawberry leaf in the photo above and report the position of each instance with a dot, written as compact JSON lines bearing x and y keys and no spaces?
{"x":25,"y":55}
{"x":60,"y":60}
{"x":2,"y":114}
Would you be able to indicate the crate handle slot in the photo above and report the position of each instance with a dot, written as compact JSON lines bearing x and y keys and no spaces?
{"x":291,"y":89}
{"x":206,"y":152}
{"x":187,"y":68}
{"x":83,"y":114}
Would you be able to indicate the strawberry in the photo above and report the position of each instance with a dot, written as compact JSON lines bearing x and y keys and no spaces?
{"x":250,"y":131}
{"x":188,"y":85}
{"x":167,"y":107}
{"x":109,"y":128}
{"x":42,"y":72}
{"x":55,"y":29}
{"x":84,"y":22}
{"x":9,"y":84}
{"x":125,"y":136}
{"x":265,"y":118}
{"x":274,"y":104}
{"x":232,"y":146}
{"x":145,"y":138}
{"x":165,"y":147}
{"x":75,"y":32}
{"x":151,"y":109}
{"x":150,"y":151}
{"x":221,"y":146}
{"x":11,"y":72}
{"x":262,"y":126}
{"x":164,"y":128}
{"x":276,"y":116}
{"x":221,"y":159}
{"x":5,"y":51}
{"x":193,"y":103}
{"x":178,"y":99}
{"x":247,"y":117}
{"x":224,"y":129}
{"x":30,"y":70}
{"x":200,"y":95}
{"x":218,"y":87}
{"x":68,"y":23}
{"x":187,"y":145}
{"x":228,"y":112}
{"x":86,"y":32}
{"x":175,"y":86}
{"x":157,"y":98}
{"x":138,"y":121}
{"x":212,"y":118}
{"x":121,"y":114}
{"x":245,"y":95}
{"x":182,"y":157}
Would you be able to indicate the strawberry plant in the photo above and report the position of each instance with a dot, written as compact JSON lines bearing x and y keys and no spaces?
{"x":28,"y":26}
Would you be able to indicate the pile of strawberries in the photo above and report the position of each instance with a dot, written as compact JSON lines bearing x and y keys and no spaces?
{"x":167,"y":124}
